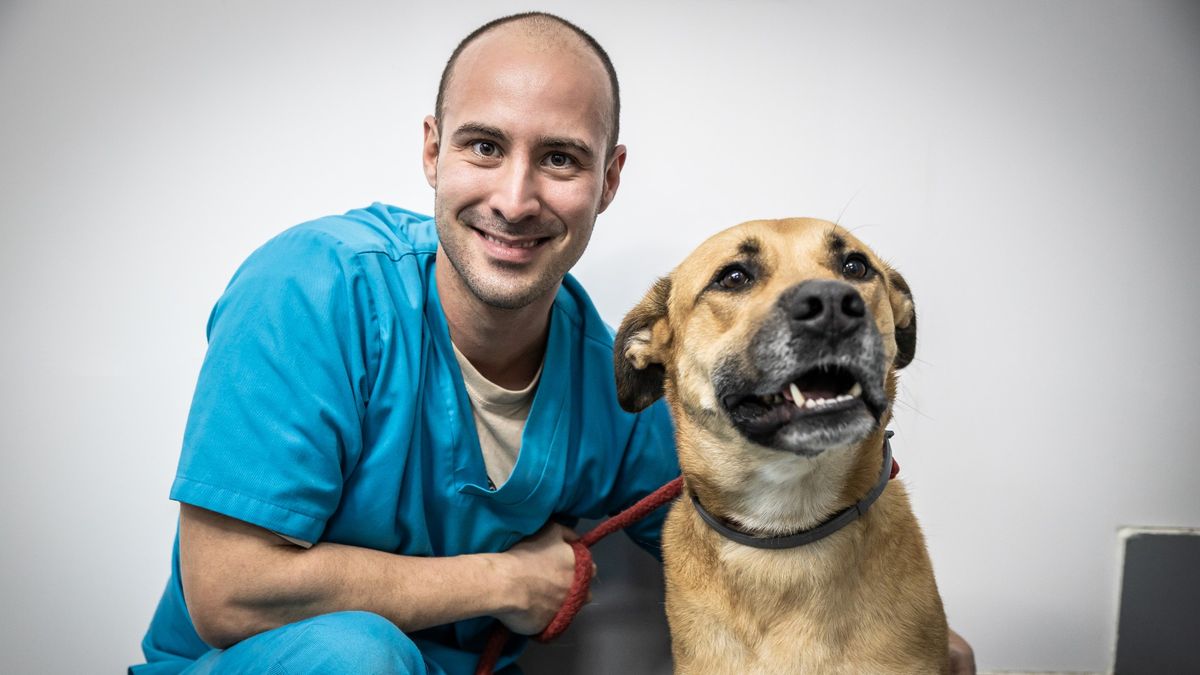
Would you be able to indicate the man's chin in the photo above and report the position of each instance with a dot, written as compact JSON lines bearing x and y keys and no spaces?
{"x":509,"y":296}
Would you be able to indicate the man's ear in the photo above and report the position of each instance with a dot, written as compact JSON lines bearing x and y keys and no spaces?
{"x":639,"y":350}
{"x":430,"y":149}
{"x":612,"y":176}
{"x":904,"y":313}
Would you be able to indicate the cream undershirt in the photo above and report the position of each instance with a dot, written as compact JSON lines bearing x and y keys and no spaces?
{"x":500,"y":416}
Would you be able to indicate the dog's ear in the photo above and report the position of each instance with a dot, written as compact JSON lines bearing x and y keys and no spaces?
{"x":640,"y":350}
{"x":904,"y":313}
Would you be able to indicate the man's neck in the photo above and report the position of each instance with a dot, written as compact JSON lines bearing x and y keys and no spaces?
{"x":505,"y":345}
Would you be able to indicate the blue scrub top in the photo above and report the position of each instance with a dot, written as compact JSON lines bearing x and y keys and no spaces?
{"x":330,"y":407}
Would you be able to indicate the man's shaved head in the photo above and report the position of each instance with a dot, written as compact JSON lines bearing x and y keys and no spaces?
{"x":546,"y":31}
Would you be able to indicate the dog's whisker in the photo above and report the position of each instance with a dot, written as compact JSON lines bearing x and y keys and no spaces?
{"x":838,"y":221}
{"x":908,"y":406}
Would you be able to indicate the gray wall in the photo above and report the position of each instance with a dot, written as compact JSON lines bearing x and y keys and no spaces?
{"x":1032,"y":167}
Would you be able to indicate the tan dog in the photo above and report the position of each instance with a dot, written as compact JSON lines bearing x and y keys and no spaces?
{"x":758,"y":318}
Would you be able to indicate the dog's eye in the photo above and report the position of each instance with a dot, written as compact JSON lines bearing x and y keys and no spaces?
{"x":733,"y":277}
{"x":856,"y":267}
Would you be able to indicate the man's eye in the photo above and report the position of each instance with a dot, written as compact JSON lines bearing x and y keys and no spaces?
{"x":559,"y":160}
{"x":856,"y":267}
{"x":734,"y":277}
{"x":485,"y":148}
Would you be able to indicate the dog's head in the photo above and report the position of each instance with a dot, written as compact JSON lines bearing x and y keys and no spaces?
{"x":785,"y":333}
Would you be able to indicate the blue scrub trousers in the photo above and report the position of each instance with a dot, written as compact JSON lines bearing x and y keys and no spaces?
{"x":342,"y":642}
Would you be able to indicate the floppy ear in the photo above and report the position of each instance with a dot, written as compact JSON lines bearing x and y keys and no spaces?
{"x":639,"y":350}
{"x":904,"y":312}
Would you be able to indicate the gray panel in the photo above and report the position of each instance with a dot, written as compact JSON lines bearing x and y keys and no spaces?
{"x":1158,"y":631}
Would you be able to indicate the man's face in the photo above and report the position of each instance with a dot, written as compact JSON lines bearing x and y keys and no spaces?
{"x":520,"y":166}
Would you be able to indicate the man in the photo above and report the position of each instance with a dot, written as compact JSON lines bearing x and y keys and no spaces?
{"x":392,"y":422}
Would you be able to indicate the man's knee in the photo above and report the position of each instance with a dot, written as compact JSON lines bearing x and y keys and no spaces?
{"x":353,"y":642}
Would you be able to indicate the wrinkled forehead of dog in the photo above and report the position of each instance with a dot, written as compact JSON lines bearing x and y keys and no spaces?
{"x":786,"y":251}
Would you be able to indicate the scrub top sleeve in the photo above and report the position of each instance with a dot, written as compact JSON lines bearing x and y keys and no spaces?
{"x":649,"y":462}
{"x":275,"y":423}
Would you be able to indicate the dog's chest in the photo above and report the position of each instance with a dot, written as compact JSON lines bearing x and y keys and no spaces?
{"x":763,"y":646}
{"x":797,"y":631}
{"x":737,"y":609}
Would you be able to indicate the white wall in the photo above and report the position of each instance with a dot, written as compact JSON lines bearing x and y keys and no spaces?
{"x":1032,"y":167}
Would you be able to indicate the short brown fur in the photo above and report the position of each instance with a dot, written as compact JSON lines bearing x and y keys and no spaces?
{"x":861,"y":601}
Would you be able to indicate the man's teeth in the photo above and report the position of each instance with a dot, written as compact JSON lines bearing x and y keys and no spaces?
{"x":530,"y":243}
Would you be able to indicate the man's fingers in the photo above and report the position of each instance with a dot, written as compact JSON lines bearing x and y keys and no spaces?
{"x":594,"y":570}
{"x":962,"y":656}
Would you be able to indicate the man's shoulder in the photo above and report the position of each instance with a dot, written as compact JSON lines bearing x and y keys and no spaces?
{"x":378,"y":244}
{"x":378,"y":228}
{"x":576,"y":305}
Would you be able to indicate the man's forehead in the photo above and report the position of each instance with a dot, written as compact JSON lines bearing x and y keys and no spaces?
{"x":527,"y":52}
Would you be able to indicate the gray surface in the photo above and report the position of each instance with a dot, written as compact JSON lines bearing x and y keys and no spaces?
{"x":1159,"y":625}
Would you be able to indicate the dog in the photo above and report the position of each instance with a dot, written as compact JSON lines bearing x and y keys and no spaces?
{"x":776,"y":344}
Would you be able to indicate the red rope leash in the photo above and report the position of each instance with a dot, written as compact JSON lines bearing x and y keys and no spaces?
{"x":583,"y":574}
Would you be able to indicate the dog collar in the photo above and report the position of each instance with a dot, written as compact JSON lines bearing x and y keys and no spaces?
{"x":838,"y":521}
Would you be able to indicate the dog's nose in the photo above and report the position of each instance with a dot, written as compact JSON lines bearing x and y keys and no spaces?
{"x":824,"y":305}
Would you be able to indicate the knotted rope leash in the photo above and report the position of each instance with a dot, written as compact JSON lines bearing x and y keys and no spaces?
{"x":583,"y":574}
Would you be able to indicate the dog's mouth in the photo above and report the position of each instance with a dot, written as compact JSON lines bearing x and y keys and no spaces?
{"x":826,"y":396}
{"x":815,"y":389}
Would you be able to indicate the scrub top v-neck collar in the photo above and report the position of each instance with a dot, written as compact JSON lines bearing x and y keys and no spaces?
{"x":541,"y":427}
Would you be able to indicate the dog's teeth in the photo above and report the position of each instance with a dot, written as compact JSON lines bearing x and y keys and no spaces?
{"x":856,"y":390}
{"x":844,"y":397}
{"x":810,"y":403}
{"x":797,"y":396}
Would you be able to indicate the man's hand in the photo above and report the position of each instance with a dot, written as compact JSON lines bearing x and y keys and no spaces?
{"x":962,"y":657}
{"x":538,"y":573}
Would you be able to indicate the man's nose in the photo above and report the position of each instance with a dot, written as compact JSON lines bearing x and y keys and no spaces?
{"x":515,"y":196}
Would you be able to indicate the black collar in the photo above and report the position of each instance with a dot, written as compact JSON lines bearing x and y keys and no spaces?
{"x":836,"y":522}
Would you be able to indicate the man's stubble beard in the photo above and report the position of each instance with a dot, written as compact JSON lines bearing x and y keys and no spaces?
{"x":491,"y":287}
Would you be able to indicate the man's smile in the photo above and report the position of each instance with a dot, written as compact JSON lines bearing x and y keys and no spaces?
{"x":513,"y":243}
{"x":511,"y":250}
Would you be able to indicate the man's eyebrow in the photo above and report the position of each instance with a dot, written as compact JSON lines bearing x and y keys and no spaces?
{"x":566,"y":143}
{"x":476,"y":129}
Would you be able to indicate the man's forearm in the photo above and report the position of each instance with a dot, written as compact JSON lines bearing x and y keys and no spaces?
{"x":240,"y":580}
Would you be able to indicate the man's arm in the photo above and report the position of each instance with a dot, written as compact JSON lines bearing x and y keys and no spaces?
{"x":240,"y":580}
